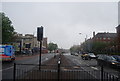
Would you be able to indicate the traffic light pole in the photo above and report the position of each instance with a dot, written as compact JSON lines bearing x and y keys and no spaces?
{"x":39,"y":38}
{"x":40,"y":55}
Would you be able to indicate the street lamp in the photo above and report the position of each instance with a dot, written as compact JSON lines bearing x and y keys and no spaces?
{"x":85,"y":40}
{"x":85,"y":37}
{"x":80,"y":34}
{"x":80,"y":44}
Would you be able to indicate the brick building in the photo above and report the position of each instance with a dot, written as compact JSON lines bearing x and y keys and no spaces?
{"x":118,"y":33}
{"x":118,"y":38}
{"x":100,"y":38}
{"x":105,"y":37}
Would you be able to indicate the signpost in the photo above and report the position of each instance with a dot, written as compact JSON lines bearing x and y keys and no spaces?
{"x":39,"y":38}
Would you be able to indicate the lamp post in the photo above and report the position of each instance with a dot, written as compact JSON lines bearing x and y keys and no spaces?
{"x":85,"y":37}
{"x":80,"y":34}
{"x":80,"y":44}
{"x":85,"y":41}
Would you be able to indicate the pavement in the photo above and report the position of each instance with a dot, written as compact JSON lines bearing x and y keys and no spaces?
{"x":18,"y":56}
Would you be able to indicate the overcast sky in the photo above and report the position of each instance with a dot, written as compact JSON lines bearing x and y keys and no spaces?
{"x":63,"y":21}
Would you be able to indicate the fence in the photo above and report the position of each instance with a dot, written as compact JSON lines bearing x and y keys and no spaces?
{"x":59,"y":73}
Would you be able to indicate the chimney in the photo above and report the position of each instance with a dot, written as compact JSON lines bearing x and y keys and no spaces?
{"x":94,"y":34}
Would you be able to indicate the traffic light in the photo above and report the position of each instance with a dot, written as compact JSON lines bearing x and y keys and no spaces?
{"x":39,"y":33}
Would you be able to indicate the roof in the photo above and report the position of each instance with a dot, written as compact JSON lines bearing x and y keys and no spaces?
{"x":105,"y":35}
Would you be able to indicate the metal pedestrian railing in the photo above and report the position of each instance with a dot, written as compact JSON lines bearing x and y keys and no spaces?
{"x":57,"y":72}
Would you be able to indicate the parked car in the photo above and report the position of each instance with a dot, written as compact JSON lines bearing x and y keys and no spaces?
{"x":26,"y":51}
{"x":107,"y":60}
{"x":117,"y":57}
{"x":7,"y":53}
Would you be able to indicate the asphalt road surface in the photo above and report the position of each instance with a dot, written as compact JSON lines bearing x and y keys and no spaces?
{"x":86,"y":65}
{"x":89,"y":65}
{"x":7,"y":67}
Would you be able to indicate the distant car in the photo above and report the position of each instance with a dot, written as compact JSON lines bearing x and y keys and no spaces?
{"x":72,"y":53}
{"x":26,"y":52}
{"x":76,"y":54}
{"x":91,"y":56}
{"x":23,"y":52}
{"x":107,"y":60}
{"x":84,"y":56}
{"x":88,"y":56}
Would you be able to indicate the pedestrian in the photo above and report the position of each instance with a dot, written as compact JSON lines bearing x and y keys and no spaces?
{"x":54,"y":56}
{"x":32,"y":51}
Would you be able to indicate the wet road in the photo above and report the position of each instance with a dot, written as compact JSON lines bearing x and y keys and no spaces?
{"x":90,"y":65}
{"x":7,"y":67}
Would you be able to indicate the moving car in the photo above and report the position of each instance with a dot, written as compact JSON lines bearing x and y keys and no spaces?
{"x":84,"y":56}
{"x":76,"y":54}
{"x":91,"y":56}
{"x":88,"y":56}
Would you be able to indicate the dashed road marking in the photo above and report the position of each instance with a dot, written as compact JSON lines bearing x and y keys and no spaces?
{"x":46,"y":58}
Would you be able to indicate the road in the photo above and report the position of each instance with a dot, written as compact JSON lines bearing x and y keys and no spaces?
{"x":89,"y":65}
{"x":7,"y":67}
{"x":86,"y":65}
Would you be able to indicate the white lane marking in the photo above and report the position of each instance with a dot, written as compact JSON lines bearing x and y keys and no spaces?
{"x":94,"y":68}
{"x":85,"y":69}
{"x":6,"y":68}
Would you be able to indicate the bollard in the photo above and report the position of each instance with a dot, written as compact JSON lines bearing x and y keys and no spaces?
{"x":54,"y":56}
{"x":119,"y":75}
{"x":14,"y":72}
{"x":59,"y":70}
{"x":102,"y":73}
